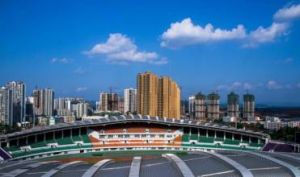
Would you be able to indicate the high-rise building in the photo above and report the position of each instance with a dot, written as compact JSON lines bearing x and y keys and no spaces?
{"x":213,"y":106}
{"x":29,"y":110}
{"x":233,"y":105}
{"x":81,"y":110}
{"x":184,"y":105}
{"x":200,"y":108}
{"x":157,"y":96}
{"x":192,"y":107}
{"x":6,"y":106}
{"x":147,"y":93}
{"x":48,"y":102}
{"x":108,"y":101}
{"x":121,"y":105}
{"x":249,"y":107}
{"x":18,"y":91}
{"x":62,"y":106}
{"x":70,"y":108}
{"x":168,"y":98}
{"x":130,"y":100}
{"x":174,"y":100}
{"x":43,"y":102}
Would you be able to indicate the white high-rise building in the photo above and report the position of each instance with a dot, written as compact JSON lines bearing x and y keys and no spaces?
{"x":18,"y":91}
{"x":81,"y":110}
{"x":130,"y":100}
{"x":192,"y":106}
{"x":48,"y":102}
{"x":43,"y":102}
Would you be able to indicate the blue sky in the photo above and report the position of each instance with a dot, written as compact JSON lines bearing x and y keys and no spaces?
{"x":80,"y":48}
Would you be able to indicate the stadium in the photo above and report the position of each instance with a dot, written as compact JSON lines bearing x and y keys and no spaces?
{"x":136,"y":145}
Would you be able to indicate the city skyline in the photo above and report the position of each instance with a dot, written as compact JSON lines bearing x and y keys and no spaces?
{"x":245,"y":46}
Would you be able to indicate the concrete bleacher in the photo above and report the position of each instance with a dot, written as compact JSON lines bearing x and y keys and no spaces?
{"x":83,"y":141}
{"x":76,"y":138}
{"x":12,"y":149}
{"x":204,"y":139}
{"x":232,"y":142}
{"x":39,"y":144}
{"x":216,"y":142}
{"x":65,"y":141}
{"x":59,"y":144}
{"x":85,"y":138}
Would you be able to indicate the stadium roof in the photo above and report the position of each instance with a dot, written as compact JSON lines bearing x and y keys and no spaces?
{"x":192,"y":164}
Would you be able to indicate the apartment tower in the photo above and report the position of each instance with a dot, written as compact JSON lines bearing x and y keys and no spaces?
{"x":200,"y":108}
{"x":108,"y":101}
{"x":233,"y":105}
{"x":18,"y":91}
{"x":129,"y":100}
{"x":147,"y":94}
{"x":157,"y":96}
{"x":249,"y":107}
{"x":213,"y":106}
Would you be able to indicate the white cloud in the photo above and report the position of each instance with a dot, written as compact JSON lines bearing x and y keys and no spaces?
{"x":60,"y":60}
{"x":269,"y":34}
{"x":120,"y":48}
{"x":236,"y":86}
{"x":81,"y":89}
{"x":186,"y":33}
{"x":162,"y":61}
{"x":79,"y":70}
{"x":273,"y":85}
{"x":247,"y":86}
{"x":288,"y":13}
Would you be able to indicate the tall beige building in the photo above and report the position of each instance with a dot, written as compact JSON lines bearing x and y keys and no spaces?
{"x":147,"y":93}
{"x":157,"y":96}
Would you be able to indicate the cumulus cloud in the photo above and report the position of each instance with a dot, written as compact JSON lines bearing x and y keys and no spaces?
{"x":81,"y":89}
{"x":288,"y":13}
{"x":187,"y":33}
{"x":273,"y":85}
{"x":268,"y":34}
{"x":120,"y":48}
{"x":60,"y":60}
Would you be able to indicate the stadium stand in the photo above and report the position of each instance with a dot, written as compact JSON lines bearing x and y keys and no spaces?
{"x":131,"y":131}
